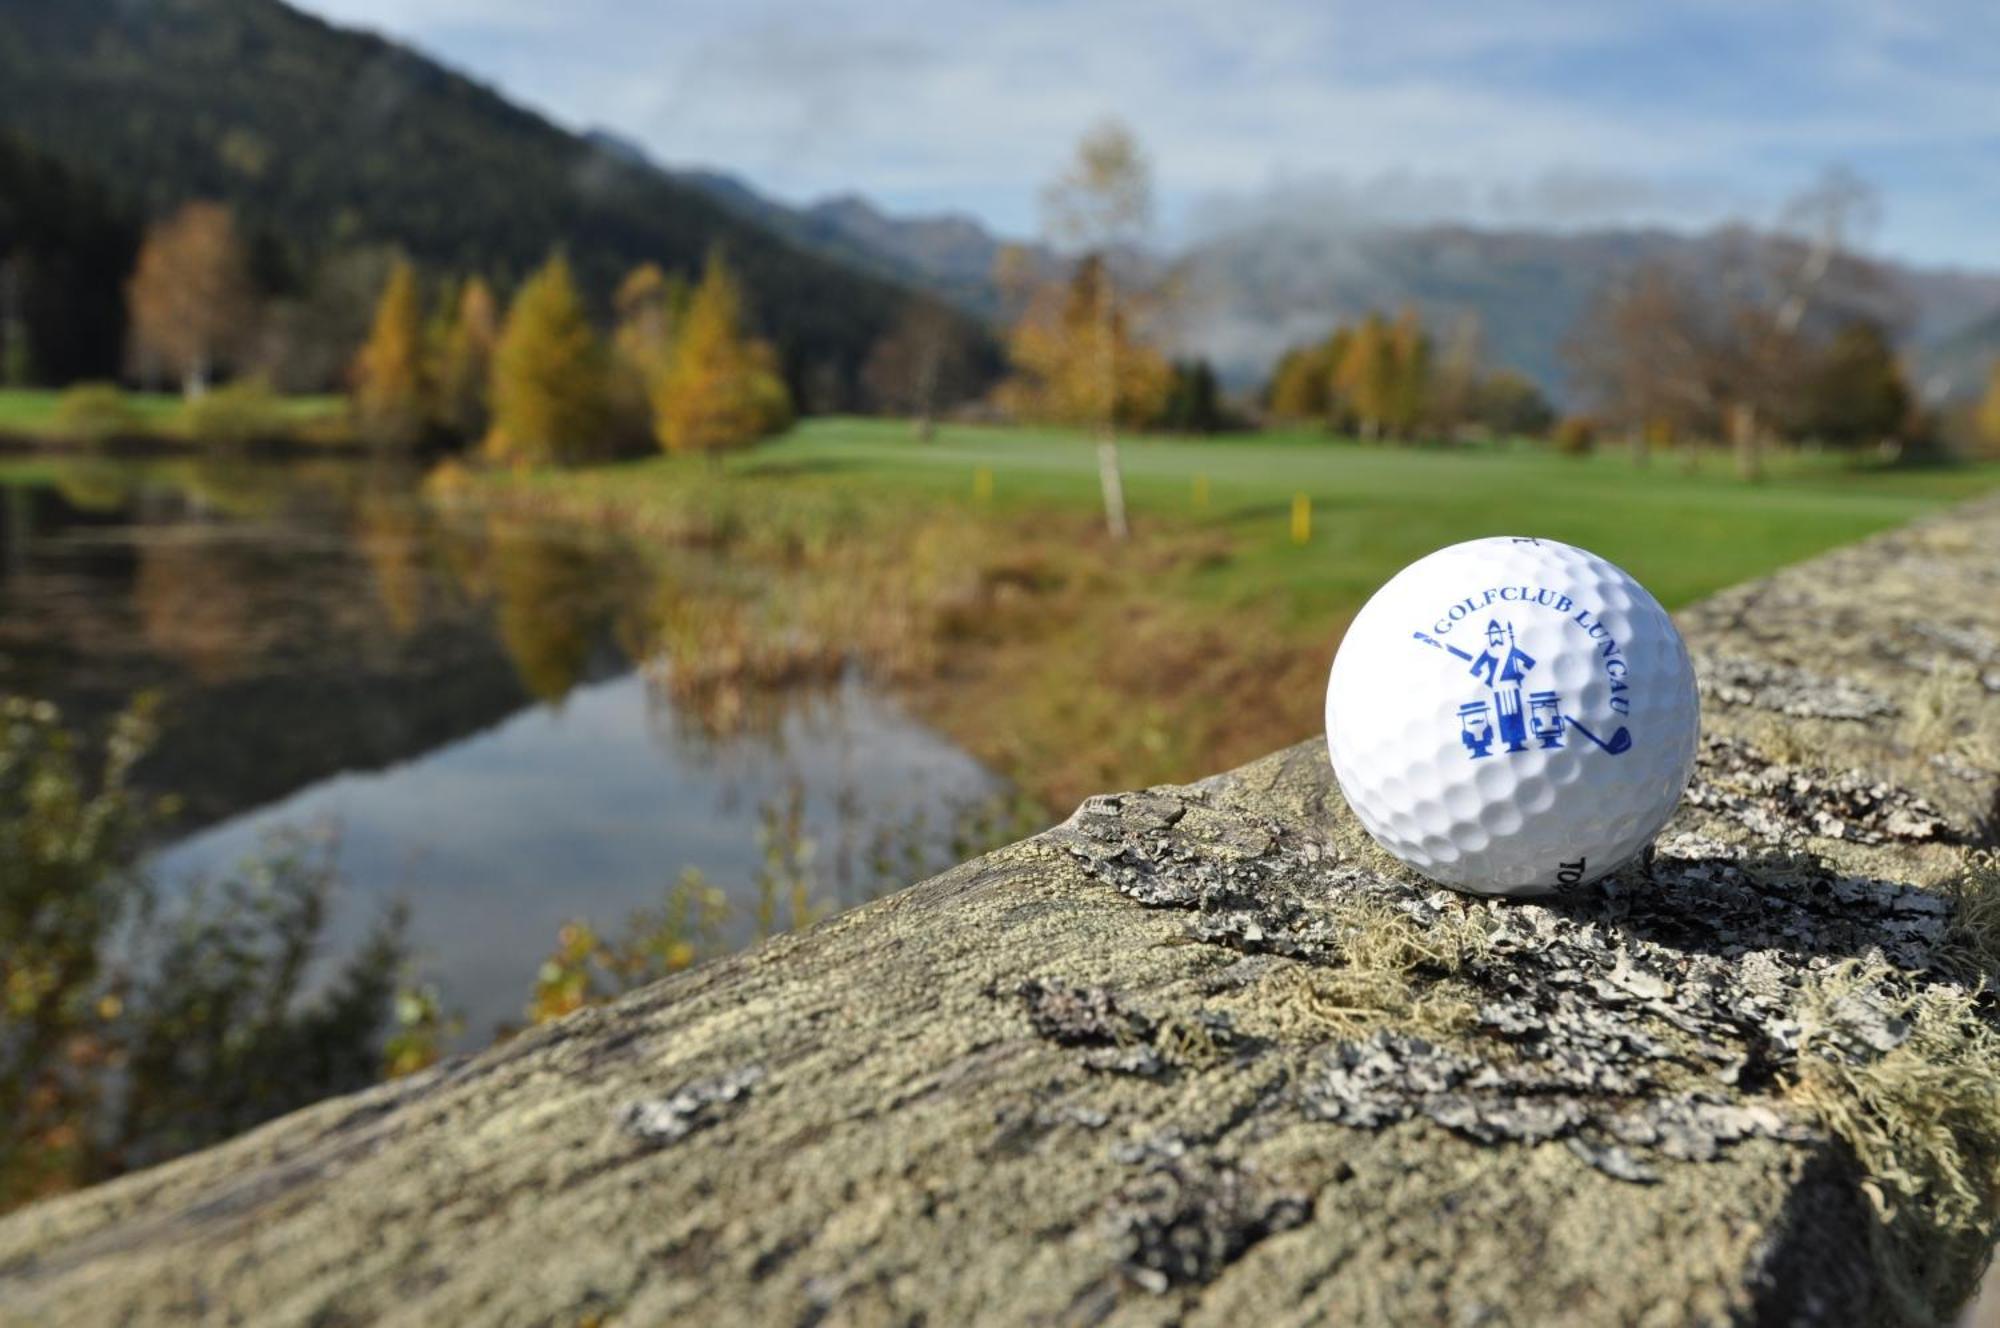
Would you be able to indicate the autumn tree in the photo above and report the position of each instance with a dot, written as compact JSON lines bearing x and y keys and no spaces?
{"x":548,"y":389}
{"x":1057,"y":350}
{"x":1986,"y":417}
{"x":1453,"y":396}
{"x":391,"y":391}
{"x":1652,"y":355}
{"x":1732,"y":351}
{"x":465,"y":360}
{"x":720,"y":388}
{"x":1301,"y":386}
{"x":1102,"y":206}
{"x":1409,"y":370}
{"x":922,"y":363}
{"x":1366,"y":376}
{"x":191,"y":297}
{"x":648,"y":307}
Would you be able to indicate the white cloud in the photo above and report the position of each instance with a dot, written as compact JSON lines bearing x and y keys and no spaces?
{"x":1525,"y":108}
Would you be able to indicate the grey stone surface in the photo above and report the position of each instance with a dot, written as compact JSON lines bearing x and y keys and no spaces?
{"x":1205,"y":1055}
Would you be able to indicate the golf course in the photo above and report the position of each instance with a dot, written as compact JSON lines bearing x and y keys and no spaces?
{"x":975,"y":567}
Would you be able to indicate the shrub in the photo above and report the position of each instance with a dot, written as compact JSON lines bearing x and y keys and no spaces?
{"x":1575,"y":436}
{"x":233,"y":416}
{"x":94,"y":413}
{"x":132,"y":1029}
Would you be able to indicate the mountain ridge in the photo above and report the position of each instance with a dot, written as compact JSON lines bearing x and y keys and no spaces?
{"x":1257,"y":290}
{"x":330,"y":136}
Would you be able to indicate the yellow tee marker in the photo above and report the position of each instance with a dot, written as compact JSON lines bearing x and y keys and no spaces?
{"x":1201,"y":493}
{"x":982,"y":485}
{"x":1302,"y":518}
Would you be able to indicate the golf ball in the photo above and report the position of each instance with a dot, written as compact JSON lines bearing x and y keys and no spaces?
{"x":1512,"y":716}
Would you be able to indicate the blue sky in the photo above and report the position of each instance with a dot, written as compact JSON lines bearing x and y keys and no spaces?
{"x":1510,"y":111}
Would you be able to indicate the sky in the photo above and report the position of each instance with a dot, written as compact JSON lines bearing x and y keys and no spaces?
{"x":1522,"y":112}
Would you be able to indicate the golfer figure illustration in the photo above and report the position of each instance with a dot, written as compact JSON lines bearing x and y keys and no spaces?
{"x":1502,"y":666}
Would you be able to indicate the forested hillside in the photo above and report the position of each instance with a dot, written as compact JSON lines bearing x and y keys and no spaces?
{"x":64,"y":250}
{"x":329,"y":139}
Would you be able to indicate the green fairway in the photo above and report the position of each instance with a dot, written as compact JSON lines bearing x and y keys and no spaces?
{"x":1376,"y":508}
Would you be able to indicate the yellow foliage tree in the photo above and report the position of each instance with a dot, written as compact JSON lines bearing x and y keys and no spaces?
{"x":465,"y":360}
{"x":1366,"y":377}
{"x":1987,"y":420}
{"x":549,"y":375}
{"x":1065,"y":371}
{"x":391,"y":396}
{"x":1102,"y":204}
{"x":648,"y":306}
{"x":1409,"y":373}
{"x":720,"y":388}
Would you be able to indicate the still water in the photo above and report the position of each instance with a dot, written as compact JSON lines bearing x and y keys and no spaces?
{"x":471,"y":711}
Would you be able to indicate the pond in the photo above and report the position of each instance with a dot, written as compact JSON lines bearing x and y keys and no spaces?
{"x":472,"y":710}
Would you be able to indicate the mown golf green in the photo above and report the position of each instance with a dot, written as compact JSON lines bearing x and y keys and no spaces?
{"x":1683,"y":532}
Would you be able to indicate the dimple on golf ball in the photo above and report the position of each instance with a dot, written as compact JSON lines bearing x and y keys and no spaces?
{"x":1511,"y":716}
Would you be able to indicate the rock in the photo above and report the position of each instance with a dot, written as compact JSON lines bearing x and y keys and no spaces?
{"x":1206,"y":1055}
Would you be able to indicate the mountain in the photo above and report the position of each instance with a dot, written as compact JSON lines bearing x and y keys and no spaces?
{"x":1255,"y":290}
{"x":325,"y":137}
{"x":949,"y":254}
{"x":1961,"y":365}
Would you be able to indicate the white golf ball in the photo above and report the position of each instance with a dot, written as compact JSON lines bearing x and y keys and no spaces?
{"x":1512,"y":716}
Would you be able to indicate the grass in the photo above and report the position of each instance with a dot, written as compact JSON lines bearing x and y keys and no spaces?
{"x":1374,"y":509}
{"x":1072,"y":664}
{"x":31,"y":412}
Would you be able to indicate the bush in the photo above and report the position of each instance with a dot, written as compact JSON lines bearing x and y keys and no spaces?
{"x":1575,"y":436}
{"x":94,"y":413}
{"x":132,"y":1030}
{"x":233,"y":416}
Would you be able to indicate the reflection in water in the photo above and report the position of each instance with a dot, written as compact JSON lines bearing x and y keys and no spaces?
{"x":592,"y":811}
{"x":331,"y":650}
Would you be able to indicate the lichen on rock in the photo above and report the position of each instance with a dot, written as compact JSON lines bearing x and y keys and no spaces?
{"x":1205,"y":1054}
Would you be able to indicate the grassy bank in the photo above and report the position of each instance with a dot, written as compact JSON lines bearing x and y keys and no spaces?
{"x":1072,"y":664}
{"x":34,"y":415}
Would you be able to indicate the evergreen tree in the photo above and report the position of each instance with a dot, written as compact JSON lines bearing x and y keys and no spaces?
{"x":391,"y":395}
{"x":720,"y":389}
{"x":465,"y":360}
{"x":1194,"y":400}
{"x":1855,"y":394}
{"x":548,"y":375}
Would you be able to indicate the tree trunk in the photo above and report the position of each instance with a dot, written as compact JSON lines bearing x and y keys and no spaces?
{"x":1109,"y":478}
{"x":1746,"y":436}
{"x":927,"y":383}
{"x":1113,"y":483}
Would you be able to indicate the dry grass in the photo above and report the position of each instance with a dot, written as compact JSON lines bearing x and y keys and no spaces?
{"x":1393,"y":971}
{"x":1923,"y":1121}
